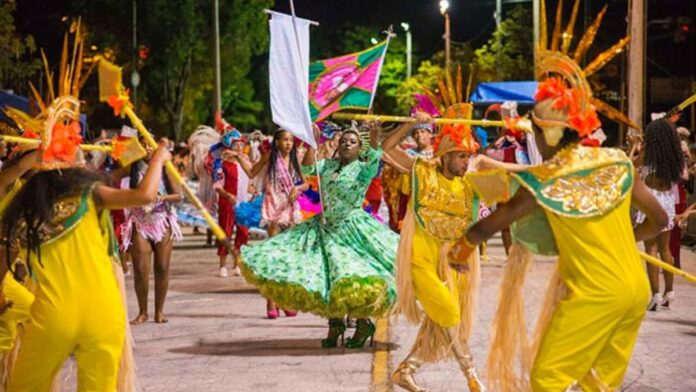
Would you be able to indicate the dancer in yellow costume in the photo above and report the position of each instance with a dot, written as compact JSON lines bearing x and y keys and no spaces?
{"x":59,"y":225}
{"x":441,"y":207}
{"x":16,"y":299}
{"x":78,"y":306}
{"x":575,"y":204}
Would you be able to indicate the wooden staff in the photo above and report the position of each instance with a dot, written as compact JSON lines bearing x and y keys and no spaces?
{"x":36,"y":142}
{"x":667,"y":267}
{"x":171,"y":170}
{"x":404,"y":119}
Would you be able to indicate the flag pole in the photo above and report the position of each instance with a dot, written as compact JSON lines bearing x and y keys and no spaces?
{"x":316,"y":142}
{"x":390,"y":34}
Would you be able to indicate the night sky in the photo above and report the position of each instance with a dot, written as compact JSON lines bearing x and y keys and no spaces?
{"x":472,"y":21}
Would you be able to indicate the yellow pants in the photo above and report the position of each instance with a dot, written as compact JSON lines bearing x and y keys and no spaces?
{"x":439,"y":302}
{"x":78,"y":309}
{"x":589,"y":335}
{"x":21,"y":300}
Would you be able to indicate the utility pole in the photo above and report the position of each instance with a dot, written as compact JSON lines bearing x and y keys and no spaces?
{"x":536,"y":15}
{"x":135,"y":77}
{"x":498,"y":21}
{"x":636,"y":61}
{"x":217,"y":100}
{"x":444,"y":10}
{"x":409,"y":48}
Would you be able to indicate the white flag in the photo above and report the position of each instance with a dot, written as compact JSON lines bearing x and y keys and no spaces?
{"x":289,"y":76}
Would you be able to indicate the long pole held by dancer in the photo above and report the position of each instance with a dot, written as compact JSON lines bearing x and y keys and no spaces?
{"x":405,"y":119}
{"x":111,"y":90}
{"x":306,"y":66}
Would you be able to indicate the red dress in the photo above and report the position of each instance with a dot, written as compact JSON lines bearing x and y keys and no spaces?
{"x":226,"y":212}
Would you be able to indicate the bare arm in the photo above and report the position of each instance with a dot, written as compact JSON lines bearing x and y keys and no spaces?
{"x":391,"y":148}
{"x":112,"y":198}
{"x":656,"y":218}
{"x":375,"y":132}
{"x":310,"y":156}
{"x":520,"y":205}
{"x":12,"y":173}
{"x":483,"y":162}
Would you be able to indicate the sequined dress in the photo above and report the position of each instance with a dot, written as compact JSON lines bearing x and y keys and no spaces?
{"x":332,"y":265}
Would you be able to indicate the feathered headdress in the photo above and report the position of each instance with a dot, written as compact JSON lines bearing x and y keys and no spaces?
{"x":564,"y":96}
{"x":457,"y":137}
{"x":56,"y":128}
{"x":57,"y":124}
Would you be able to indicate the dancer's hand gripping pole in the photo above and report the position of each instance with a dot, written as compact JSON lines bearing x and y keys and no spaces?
{"x":111,"y":90}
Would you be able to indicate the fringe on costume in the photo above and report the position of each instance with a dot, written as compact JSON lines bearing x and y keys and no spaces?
{"x":127,"y":381}
{"x":509,"y":331}
{"x":406,"y":297}
{"x":433,"y":344}
{"x":8,"y":360}
{"x":510,"y":341}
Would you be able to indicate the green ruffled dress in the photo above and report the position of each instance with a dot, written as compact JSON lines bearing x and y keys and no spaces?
{"x":341,"y":264}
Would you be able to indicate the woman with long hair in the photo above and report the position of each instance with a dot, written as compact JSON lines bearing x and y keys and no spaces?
{"x":662,"y":165}
{"x":340,"y":262}
{"x":59,"y":223}
{"x":151,"y":230}
{"x":283,"y":184}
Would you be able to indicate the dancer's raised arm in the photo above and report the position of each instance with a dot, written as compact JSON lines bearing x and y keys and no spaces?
{"x":391,"y":147}
{"x":113,"y":198}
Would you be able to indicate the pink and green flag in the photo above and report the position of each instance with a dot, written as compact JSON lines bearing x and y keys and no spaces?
{"x":345,"y":82}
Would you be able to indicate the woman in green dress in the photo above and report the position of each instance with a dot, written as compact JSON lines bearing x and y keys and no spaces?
{"x":337,"y":263}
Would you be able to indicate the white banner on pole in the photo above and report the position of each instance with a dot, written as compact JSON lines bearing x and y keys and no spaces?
{"x":289,"y":75}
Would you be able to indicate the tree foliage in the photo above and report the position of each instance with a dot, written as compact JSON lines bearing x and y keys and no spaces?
{"x":425,"y":78}
{"x":18,"y":55}
{"x":176,"y":88}
{"x":509,"y":53}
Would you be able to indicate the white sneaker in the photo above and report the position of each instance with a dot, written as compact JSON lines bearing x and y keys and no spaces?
{"x":223,"y":272}
{"x":654,"y":301}
{"x":236,"y":272}
{"x":668,"y":299}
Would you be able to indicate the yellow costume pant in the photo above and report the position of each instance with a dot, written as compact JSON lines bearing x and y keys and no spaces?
{"x":591,"y":335}
{"x":21,"y":300}
{"x":439,"y":302}
{"x":78,"y":308}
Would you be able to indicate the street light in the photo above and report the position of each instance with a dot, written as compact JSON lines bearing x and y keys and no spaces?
{"x":407,"y":29}
{"x":444,"y":8}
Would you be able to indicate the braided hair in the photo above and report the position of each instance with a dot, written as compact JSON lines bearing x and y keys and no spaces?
{"x":275,"y":154}
{"x":663,"y":155}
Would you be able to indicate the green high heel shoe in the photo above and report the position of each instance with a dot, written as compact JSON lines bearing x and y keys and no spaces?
{"x":337,"y":328}
{"x":366,"y":330}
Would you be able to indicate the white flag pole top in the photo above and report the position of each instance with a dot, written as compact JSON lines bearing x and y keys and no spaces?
{"x":289,"y":75}
{"x":390,"y":34}
{"x":271,"y":12}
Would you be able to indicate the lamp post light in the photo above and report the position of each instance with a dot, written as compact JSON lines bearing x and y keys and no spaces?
{"x":444,"y":8}
{"x":409,"y":48}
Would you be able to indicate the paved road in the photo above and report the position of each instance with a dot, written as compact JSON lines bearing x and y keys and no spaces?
{"x":219,"y":340}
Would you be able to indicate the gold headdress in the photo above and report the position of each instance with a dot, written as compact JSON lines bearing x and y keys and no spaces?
{"x":56,"y":128}
{"x":564,"y":95}
{"x":452,"y":103}
{"x":57,"y":123}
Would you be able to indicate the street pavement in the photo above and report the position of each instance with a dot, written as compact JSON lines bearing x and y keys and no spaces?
{"x":218,"y":338}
